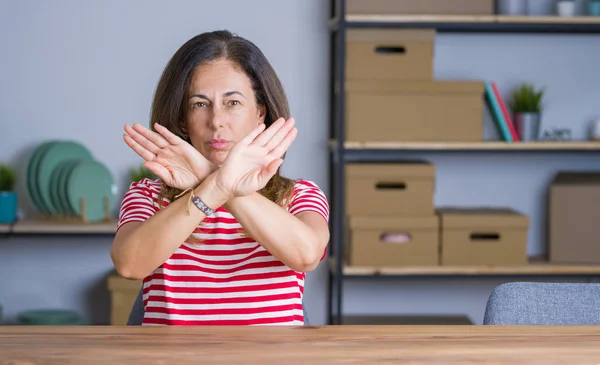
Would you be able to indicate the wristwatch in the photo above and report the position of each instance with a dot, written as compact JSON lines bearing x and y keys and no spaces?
{"x":202,"y":206}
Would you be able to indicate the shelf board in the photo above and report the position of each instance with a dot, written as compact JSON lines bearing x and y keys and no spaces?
{"x":476,"y":23}
{"x":473,"y":146}
{"x":47,"y":227}
{"x":535,"y":267}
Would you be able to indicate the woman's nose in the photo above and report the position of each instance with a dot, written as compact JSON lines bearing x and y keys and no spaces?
{"x":217,"y":119}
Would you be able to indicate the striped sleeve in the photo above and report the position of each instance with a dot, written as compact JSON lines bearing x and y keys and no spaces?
{"x":138,"y":203}
{"x":308,"y":197}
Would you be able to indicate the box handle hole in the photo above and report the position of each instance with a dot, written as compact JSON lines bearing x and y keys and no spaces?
{"x":395,"y":237}
{"x":485,"y":236}
{"x":390,"y":186}
{"x":390,"y":50}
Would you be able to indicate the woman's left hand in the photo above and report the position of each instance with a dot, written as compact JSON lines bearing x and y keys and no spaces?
{"x":254,"y":160}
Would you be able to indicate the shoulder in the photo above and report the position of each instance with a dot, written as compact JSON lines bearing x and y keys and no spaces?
{"x":307,"y":188}
{"x":146,"y":185}
{"x":306,"y":185}
{"x":308,"y":196}
{"x":143,"y":190}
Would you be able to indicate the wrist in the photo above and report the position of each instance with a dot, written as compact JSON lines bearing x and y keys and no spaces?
{"x":202,"y":172}
{"x":211,"y":193}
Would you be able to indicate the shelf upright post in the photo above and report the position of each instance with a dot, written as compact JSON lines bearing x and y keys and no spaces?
{"x":337,"y":183}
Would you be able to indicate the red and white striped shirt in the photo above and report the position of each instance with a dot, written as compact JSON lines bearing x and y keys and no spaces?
{"x":228,"y":279}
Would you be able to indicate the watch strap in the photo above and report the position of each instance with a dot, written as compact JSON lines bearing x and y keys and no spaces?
{"x":202,"y":206}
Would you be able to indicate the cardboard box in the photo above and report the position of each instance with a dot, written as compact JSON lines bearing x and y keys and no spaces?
{"x":399,"y":188}
{"x":483,"y":236}
{"x":574,"y":217}
{"x":123,"y":293}
{"x":384,"y":54}
{"x":421,"y":7}
{"x":422,"y":111}
{"x":392,"y":241}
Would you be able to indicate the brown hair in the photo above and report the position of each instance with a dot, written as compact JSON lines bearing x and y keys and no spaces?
{"x":168,"y":106}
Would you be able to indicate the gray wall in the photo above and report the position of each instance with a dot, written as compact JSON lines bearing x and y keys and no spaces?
{"x":81,"y":70}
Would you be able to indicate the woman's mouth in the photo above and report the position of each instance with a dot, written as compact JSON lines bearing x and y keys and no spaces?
{"x":218,"y":143}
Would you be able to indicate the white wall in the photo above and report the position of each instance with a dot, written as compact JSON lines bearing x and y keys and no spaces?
{"x":81,"y":70}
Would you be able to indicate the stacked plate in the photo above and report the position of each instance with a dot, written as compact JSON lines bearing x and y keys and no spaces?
{"x":64,"y":179}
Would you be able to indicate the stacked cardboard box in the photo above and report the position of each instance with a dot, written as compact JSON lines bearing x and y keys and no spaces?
{"x":391,"y":215}
{"x":391,"y":93}
{"x":574,"y":214}
{"x":482,"y":236}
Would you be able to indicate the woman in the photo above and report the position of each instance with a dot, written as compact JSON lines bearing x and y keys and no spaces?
{"x":232,"y":239}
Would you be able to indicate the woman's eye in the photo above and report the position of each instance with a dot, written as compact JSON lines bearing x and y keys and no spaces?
{"x":199,"y":104}
{"x":234,"y":102}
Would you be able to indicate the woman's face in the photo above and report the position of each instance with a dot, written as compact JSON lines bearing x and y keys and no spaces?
{"x":221,"y":109}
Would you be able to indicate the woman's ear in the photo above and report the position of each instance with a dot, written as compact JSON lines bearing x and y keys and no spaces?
{"x":262,"y":113}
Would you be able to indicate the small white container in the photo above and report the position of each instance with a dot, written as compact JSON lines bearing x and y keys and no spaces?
{"x":565,"y":8}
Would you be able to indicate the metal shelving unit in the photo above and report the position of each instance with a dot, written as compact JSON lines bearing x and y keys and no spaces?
{"x":342,"y":151}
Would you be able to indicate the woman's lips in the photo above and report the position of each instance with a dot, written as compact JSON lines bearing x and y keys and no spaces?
{"x":218,"y":143}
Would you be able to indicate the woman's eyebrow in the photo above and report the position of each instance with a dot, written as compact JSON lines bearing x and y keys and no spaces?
{"x":229,"y":93}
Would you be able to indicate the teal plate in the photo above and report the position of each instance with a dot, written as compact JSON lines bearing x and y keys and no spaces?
{"x":92,"y":181}
{"x":63,"y":179}
{"x":56,"y":154}
{"x":61,"y":186}
{"x":32,"y":168}
{"x":56,"y":185}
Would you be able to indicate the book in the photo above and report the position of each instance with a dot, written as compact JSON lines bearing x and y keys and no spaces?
{"x":496,"y":112}
{"x":507,"y":119}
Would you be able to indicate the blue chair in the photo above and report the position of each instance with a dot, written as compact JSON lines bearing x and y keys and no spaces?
{"x":137,"y":312}
{"x":523,"y":303}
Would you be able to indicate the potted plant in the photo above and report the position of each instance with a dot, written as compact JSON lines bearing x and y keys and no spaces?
{"x":526,"y":105}
{"x":8,"y":196}
{"x":140,"y":173}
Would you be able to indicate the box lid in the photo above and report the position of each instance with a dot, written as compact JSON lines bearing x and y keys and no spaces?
{"x":390,"y":36}
{"x":391,"y":170}
{"x":473,"y":217}
{"x":416,"y":86}
{"x":577,"y":178}
{"x":394,"y":223}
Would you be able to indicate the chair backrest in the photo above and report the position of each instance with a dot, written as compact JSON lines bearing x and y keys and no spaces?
{"x":137,"y":312}
{"x":544,"y":304}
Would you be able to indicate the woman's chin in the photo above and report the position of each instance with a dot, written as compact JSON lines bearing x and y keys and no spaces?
{"x":218,"y":157}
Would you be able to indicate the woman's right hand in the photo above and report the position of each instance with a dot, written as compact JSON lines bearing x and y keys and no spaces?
{"x":169,"y":157}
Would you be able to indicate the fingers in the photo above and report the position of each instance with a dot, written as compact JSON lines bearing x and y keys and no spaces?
{"x":278,"y":137}
{"x":253,"y":134}
{"x":167,"y":134}
{"x":266,"y":136}
{"x":138,"y":148}
{"x":283,"y":146}
{"x":151,"y":136}
{"x":141,"y":140}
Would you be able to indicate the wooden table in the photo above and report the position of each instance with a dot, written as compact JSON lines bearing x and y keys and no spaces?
{"x":300,"y":345}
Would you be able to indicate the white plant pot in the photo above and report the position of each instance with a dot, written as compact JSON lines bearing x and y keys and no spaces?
{"x":565,"y":8}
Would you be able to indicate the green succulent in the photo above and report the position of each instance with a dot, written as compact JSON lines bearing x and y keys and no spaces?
{"x":8,"y":178}
{"x":526,"y":99}
{"x":140,"y":173}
